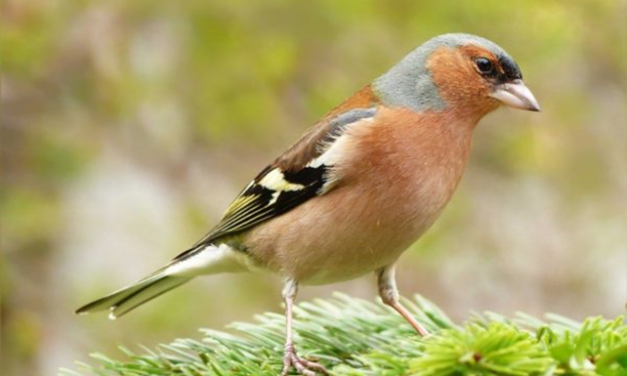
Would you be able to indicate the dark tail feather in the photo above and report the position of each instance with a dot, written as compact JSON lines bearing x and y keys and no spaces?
{"x":129,"y":298}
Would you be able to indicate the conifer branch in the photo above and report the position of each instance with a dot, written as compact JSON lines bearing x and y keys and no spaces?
{"x":356,"y":337}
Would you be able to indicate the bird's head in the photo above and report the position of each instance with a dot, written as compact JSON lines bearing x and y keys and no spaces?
{"x":458,"y":72}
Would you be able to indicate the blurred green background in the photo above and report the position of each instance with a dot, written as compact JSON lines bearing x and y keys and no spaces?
{"x":128,"y":126}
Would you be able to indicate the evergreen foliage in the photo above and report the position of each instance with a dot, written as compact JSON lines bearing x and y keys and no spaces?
{"x":354,"y":337}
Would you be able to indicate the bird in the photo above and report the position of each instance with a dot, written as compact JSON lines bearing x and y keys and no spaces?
{"x":358,"y":188}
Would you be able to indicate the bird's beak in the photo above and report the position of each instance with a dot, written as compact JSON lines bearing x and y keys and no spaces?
{"x":516,"y":94}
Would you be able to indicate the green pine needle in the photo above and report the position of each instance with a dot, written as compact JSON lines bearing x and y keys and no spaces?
{"x":498,"y":349}
{"x":355,"y":337}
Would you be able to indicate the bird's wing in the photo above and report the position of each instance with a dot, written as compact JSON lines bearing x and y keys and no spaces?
{"x":301,"y":173}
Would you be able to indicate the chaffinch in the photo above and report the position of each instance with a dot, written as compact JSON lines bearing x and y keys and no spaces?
{"x":359,"y":187}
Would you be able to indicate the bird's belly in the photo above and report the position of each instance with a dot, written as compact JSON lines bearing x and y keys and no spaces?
{"x":340,"y":236}
{"x":347,"y":252}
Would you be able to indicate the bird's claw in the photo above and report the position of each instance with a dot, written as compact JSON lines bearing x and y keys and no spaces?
{"x":303,"y":366}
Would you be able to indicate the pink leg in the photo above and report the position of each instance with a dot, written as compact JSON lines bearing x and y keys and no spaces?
{"x":389,"y":294}
{"x":290,"y":358}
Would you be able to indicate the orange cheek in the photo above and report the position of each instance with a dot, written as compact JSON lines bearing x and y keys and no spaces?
{"x":458,"y":82}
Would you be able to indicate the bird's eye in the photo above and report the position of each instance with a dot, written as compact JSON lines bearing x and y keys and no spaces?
{"x":484,"y":65}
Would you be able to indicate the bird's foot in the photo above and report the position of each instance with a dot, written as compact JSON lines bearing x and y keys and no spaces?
{"x":303,"y":366}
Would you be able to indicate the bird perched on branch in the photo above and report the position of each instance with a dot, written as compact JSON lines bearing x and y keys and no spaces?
{"x":359,"y":187}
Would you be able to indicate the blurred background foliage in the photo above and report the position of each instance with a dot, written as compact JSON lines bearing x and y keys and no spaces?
{"x":128,"y":126}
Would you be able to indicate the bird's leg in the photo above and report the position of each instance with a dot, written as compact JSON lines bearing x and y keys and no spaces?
{"x":389,"y":294}
{"x":290,"y":358}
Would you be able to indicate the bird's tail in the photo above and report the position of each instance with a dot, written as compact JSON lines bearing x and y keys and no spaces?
{"x":131,"y":297}
{"x":201,"y":259}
